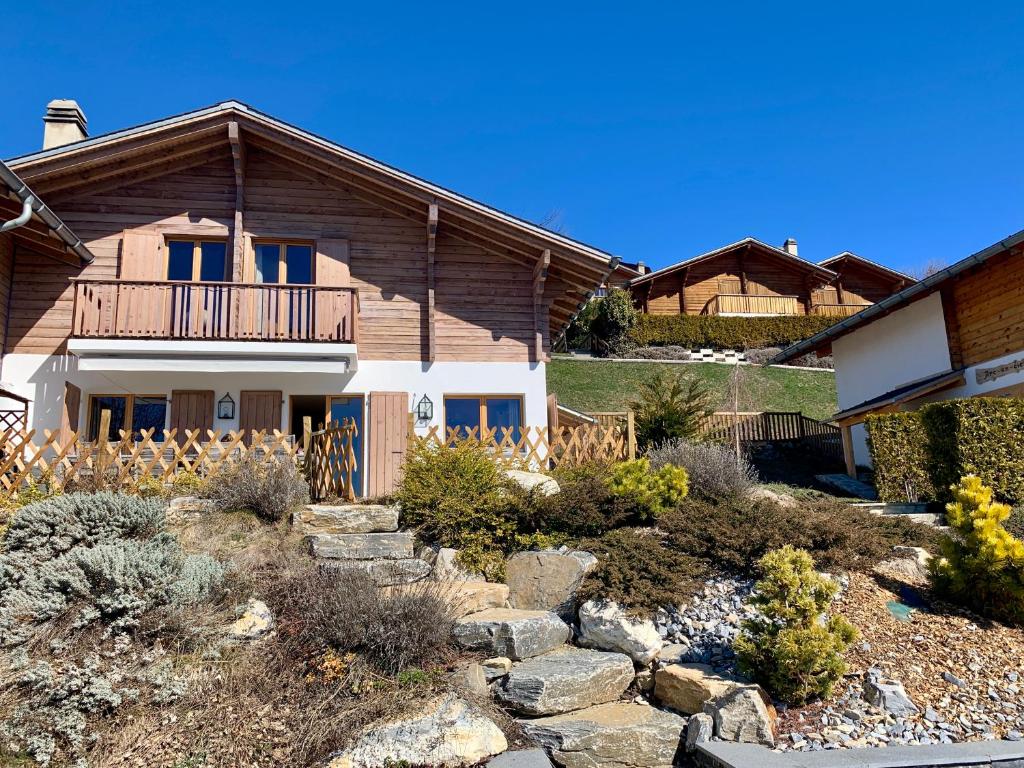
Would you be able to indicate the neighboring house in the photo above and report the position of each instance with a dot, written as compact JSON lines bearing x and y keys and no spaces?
{"x":237,"y":272}
{"x":752,"y":278}
{"x":957,"y":333}
{"x":621,"y":276}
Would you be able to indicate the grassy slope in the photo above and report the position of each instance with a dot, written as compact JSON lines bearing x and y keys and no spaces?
{"x":609,"y":386}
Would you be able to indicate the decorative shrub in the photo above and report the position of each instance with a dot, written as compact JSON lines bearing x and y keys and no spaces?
{"x":983,"y":566}
{"x":713,"y":470}
{"x":669,"y":408}
{"x":900,"y":454}
{"x":637,"y":570}
{"x":717,"y":332}
{"x":765,"y":354}
{"x":614,"y":316}
{"x":270,"y":488}
{"x":794,"y":649}
{"x":649,"y":493}
{"x":577,"y":335}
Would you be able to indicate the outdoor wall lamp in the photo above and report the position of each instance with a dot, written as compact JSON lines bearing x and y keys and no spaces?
{"x":226,"y":407}
{"x":425,"y":409}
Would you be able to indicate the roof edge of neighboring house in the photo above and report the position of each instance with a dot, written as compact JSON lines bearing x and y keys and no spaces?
{"x":898,"y":300}
{"x":41,"y":211}
{"x":869,"y":262}
{"x":809,"y":265}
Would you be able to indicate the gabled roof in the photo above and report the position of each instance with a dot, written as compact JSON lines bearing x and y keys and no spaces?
{"x":796,"y":261}
{"x":919,"y":290}
{"x":873,"y":265}
{"x":576,"y":269}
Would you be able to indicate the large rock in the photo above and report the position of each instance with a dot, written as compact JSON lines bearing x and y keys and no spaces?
{"x":362,"y":546}
{"x":496,"y":667}
{"x":533,"y":482}
{"x":547,"y":580}
{"x":385,"y":573}
{"x":471,"y":679}
{"x":508,"y":632}
{"x":348,"y":518}
{"x":447,"y":732}
{"x":469,"y":597}
{"x":700,"y":728}
{"x":255,"y":622}
{"x":745,"y":715}
{"x":604,"y":625}
{"x":446,"y":564}
{"x":760,"y":493}
{"x":616,"y":735}
{"x":889,"y":695}
{"x":685,"y":687}
{"x":521,"y":758}
{"x":565,"y":679}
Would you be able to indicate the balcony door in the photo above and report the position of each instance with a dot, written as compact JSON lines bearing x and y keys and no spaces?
{"x":285,"y":312}
{"x":198,"y":310}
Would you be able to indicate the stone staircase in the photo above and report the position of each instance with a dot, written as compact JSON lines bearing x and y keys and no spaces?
{"x":362,"y":537}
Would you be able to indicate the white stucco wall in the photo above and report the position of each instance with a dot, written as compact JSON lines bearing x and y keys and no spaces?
{"x":41,"y":378}
{"x":906,"y":346}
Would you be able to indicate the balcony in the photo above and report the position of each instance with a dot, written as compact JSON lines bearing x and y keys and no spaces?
{"x":213,"y":326}
{"x":752,"y":305}
{"x":838,"y":310}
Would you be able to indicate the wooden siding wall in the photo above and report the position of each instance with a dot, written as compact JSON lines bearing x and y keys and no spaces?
{"x":989,"y":305}
{"x":862,"y":285}
{"x":765,"y":276}
{"x":484,"y":307}
{"x":6,"y":273}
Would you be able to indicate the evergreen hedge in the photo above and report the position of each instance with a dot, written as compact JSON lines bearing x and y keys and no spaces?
{"x":947,"y":440}
{"x":717,"y":332}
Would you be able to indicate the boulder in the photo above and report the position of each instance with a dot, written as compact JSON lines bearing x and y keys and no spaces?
{"x":447,"y":732}
{"x":564,"y":680}
{"x":521,"y":758}
{"x":547,"y":580}
{"x":701,"y":727}
{"x":615,"y":735}
{"x":474,"y":596}
{"x":512,"y":633}
{"x":445,"y":561}
{"x":470,"y":678}
{"x":673,"y":653}
{"x":745,"y":714}
{"x":685,"y":687}
{"x":255,"y":622}
{"x":888,"y":695}
{"x":605,"y":626}
{"x":909,"y":563}
{"x":386,"y":573}
{"x":362,"y":546}
{"x":533,"y":482}
{"x":347,"y":518}
{"x":760,"y":493}
{"x":499,"y":666}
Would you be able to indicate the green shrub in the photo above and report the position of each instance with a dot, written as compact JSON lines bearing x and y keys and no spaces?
{"x":584,"y":507}
{"x":269,"y":488}
{"x":649,"y":493}
{"x":670,"y":408}
{"x":793,"y":648}
{"x":577,"y":334}
{"x":637,"y":570}
{"x":614,"y":316}
{"x":983,"y":566}
{"x":900,"y":455}
{"x":717,"y":332}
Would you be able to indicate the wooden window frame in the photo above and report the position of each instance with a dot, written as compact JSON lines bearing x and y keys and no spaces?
{"x":282,"y":258}
{"x":197,"y":255}
{"x":129,"y":407}
{"x":483,"y":398}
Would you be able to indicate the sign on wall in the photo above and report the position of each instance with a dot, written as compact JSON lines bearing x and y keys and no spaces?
{"x":983,"y":375}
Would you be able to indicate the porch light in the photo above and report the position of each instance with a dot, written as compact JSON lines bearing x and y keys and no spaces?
{"x":226,"y":407}
{"x":425,"y":409}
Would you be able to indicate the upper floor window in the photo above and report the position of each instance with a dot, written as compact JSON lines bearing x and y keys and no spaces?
{"x":290,"y":263}
{"x":203,"y":260}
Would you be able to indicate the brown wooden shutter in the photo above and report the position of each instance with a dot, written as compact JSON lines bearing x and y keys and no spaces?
{"x":142,"y":255}
{"x":332,"y":262}
{"x":259,"y":410}
{"x":69,"y":415}
{"x":191,"y":409}
{"x":388,"y":434}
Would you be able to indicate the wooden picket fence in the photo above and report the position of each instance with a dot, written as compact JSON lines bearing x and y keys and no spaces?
{"x":331,"y":461}
{"x":773,"y":427}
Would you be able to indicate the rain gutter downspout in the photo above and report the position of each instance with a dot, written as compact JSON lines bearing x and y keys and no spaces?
{"x":22,"y":219}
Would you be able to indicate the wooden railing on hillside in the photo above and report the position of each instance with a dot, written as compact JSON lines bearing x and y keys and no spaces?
{"x":204,"y":311}
{"x":775,"y":426}
{"x":751,"y":304}
{"x":838,"y":310}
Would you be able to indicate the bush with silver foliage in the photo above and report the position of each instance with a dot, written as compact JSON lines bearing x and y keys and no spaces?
{"x":714,"y":470}
{"x":269,"y":489}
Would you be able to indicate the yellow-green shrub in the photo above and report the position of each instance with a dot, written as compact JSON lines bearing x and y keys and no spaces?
{"x":650,"y":492}
{"x":983,"y":566}
{"x":900,"y":456}
{"x":788,"y":648}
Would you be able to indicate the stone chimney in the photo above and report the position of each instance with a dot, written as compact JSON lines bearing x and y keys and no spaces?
{"x":790,"y":247}
{"x":63,"y":123}
{"x":641,"y":268}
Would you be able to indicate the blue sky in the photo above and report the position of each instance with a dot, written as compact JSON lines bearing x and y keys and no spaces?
{"x":655,"y":131}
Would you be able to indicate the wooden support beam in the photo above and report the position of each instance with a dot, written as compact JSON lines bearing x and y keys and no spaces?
{"x":432,"y":221}
{"x":238,"y":227}
{"x":683,"y":275}
{"x":951,"y":318}
{"x":741,"y":257}
{"x":851,"y":462}
{"x":647,"y":296}
{"x":540,"y":274}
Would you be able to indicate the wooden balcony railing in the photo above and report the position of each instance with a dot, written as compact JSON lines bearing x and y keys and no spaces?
{"x":838,"y":310}
{"x":750,"y":304}
{"x":137,"y":309}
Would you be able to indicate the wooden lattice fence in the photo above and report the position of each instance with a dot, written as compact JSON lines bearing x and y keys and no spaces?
{"x":331,"y":461}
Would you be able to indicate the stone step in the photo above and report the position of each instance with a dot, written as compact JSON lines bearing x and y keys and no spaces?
{"x":347,"y":518}
{"x":564,"y":680}
{"x":385,"y":573}
{"x":362,"y":546}
{"x":513,"y":633}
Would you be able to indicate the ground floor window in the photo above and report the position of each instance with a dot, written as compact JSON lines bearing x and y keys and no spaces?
{"x":132,"y":413}
{"x":465,"y":413}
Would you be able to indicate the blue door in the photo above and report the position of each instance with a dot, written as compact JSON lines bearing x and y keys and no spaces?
{"x":343,"y":408}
